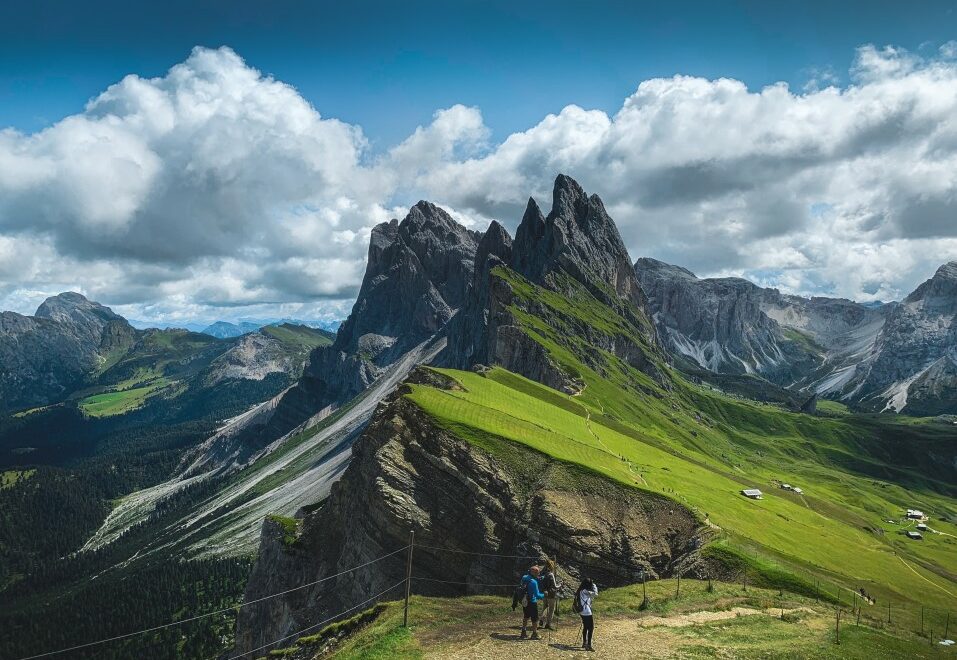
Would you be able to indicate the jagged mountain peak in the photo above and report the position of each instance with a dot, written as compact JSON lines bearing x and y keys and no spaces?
{"x":577,"y":236}
{"x":496,"y":243}
{"x":71,"y":306}
{"x":942,"y":286}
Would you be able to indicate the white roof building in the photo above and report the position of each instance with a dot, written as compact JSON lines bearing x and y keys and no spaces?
{"x":753,"y":493}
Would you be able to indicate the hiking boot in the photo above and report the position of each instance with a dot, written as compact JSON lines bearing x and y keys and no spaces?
{"x":549,"y":627}
{"x":535,"y":635}
{"x":589,"y":648}
{"x":524,"y":634}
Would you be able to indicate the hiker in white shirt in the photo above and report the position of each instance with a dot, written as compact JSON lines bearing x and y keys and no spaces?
{"x":587,"y":591}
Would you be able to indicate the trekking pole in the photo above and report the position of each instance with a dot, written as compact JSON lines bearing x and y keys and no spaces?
{"x":408,"y":580}
{"x":947,"y":626}
{"x":678,"y":586}
{"x":921,"y":619}
{"x":837,"y":627}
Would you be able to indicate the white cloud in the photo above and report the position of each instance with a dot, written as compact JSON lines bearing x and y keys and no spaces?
{"x":217,"y":188}
{"x":723,"y":179}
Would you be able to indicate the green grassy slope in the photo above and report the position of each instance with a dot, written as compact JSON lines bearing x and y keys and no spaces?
{"x":701,"y":448}
{"x":300,"y":336}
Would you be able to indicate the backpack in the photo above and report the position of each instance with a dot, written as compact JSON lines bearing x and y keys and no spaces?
{"x":577,"y":603}
{"x":520,"y":596}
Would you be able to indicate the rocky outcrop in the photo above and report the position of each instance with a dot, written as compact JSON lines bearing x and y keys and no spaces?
{"x":579,"y":238}
{"x":253,"y":357}
{"x":408,"y":474}
{"x":48,"y":355}
{"x":912,"y":365}
{"x":732,"y":326}
{"x":419,"y":273}
{"x":577,"y":246}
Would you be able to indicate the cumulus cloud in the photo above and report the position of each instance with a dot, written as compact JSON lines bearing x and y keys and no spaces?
{"x":216,"y":188}
{"x":848,"y":191}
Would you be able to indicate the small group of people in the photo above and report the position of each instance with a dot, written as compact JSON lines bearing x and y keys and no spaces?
{"x":541,"y":586}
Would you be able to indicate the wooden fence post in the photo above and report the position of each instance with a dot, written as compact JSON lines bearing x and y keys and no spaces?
{"x":408,"y":580}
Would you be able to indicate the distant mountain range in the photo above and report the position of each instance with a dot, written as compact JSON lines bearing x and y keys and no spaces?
{"x":224,"y":329}
{"x":74,"y":348}
{"x":898,"y":356}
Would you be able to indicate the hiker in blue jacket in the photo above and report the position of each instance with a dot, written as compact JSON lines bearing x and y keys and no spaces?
{"x":533,"y":594}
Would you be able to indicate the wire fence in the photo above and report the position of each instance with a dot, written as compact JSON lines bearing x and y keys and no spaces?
{"x":234,"y":608}
{"x":858,"y":607}
{"x":851,"y":608}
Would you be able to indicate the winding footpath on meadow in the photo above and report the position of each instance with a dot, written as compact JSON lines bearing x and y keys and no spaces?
{"x":598,"y":439}
{"x":615,"y":636}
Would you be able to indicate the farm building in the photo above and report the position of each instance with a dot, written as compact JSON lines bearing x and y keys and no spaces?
{"x":786,"y":486}
{"x":922,"y":527}
{"x":915,"y":535}
{"x":798,"y":491}
{"x":915,"y":514}
{"x":753,"y":493}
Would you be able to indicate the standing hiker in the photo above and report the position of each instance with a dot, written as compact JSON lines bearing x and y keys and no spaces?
{"x":587,"y":590}
{"x":550,"y":586}
{"x":533,"y":595}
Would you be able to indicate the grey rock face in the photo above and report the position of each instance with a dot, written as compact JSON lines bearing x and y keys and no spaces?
{"x":419,"y":273}
{"x":253,"y":357}
{"x":898,"y":356}
{"x":46,"y":356}
{"x":577,"y":240}
{"x":719,"y":324}
{"x":468,"y":333}
{"x":577,"y":237}
{"x":912,"y":365}
{"x":409,"y":474}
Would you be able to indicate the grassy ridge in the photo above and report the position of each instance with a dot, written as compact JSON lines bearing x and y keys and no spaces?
{"x":784,"y":525}
{"x":701,"y":448}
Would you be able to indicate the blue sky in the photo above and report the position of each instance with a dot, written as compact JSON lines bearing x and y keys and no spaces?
{"x":198,"y":160}
{"x":388,"y":66}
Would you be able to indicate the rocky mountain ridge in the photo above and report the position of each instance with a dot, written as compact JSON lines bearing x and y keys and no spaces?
{"x":876,"y":357}
{"x":418,"y":275}
{"x":912,"y":366}
{"x":72,"y":343}
{"x":49,"y":354}
{"x":575,"y":251}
